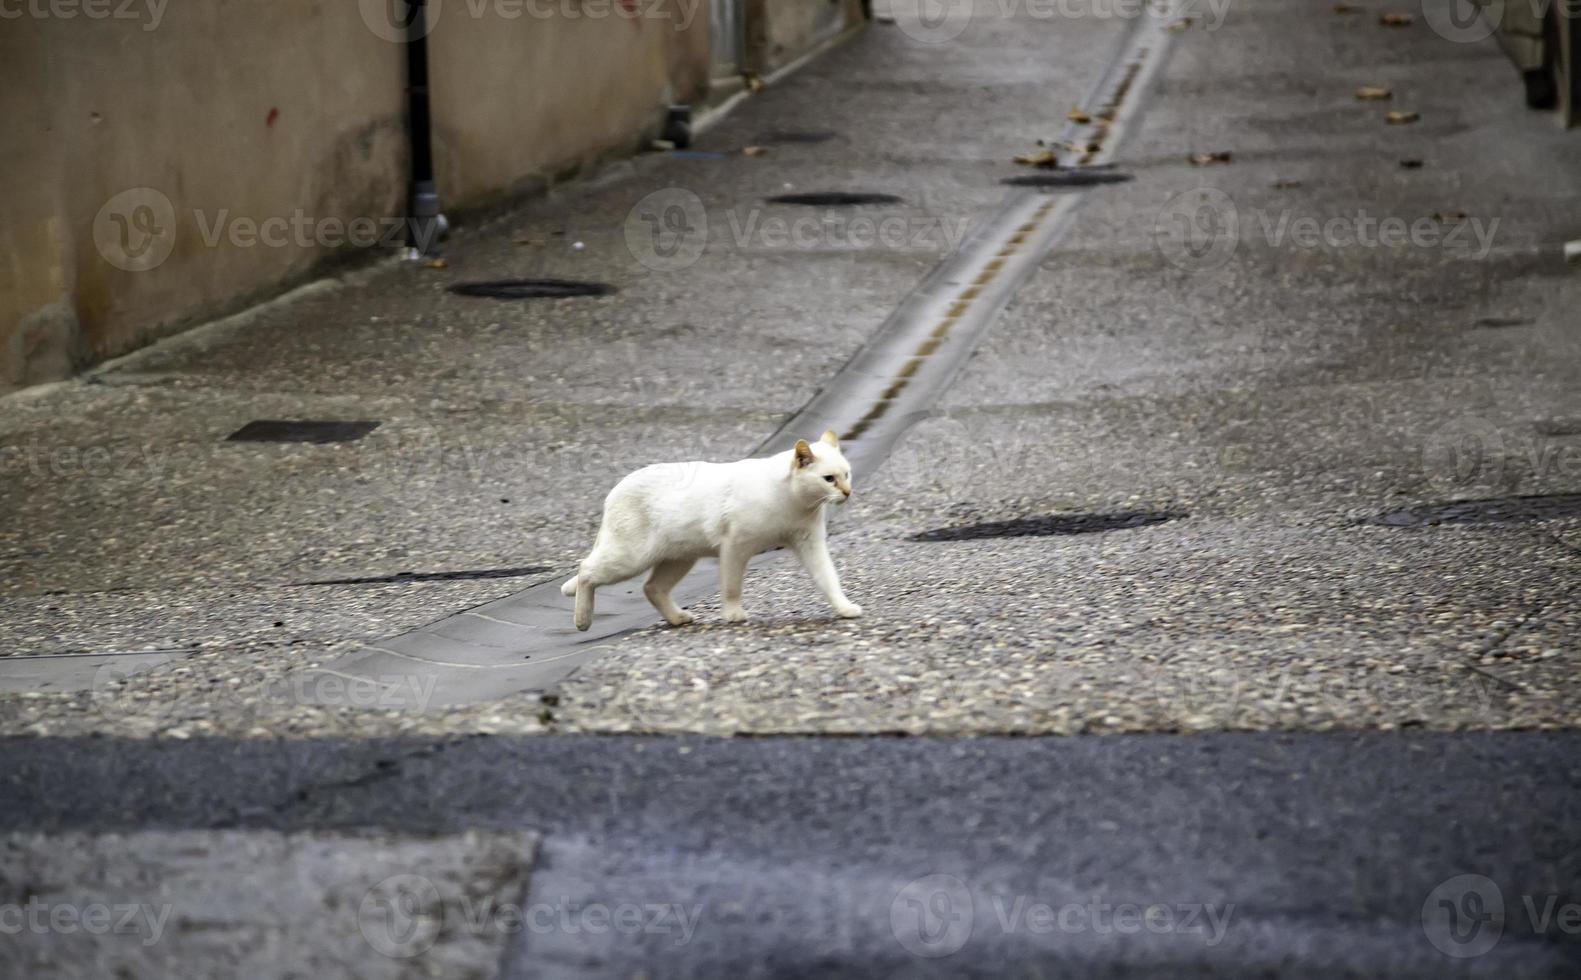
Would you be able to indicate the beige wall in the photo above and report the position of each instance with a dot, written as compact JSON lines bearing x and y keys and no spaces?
{"x":147,"y":132}
{"x":517,"y":95}
{"x":178,"y":102}
{"x":780,"y":31}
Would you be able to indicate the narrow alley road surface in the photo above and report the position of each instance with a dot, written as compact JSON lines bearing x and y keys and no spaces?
{"x":1265,"y":486}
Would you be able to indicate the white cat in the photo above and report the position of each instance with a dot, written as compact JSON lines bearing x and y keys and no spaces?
{"x":665,"y":517}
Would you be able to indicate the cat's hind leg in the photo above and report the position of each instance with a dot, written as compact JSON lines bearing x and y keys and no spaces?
{"x":662,"y":579}
{"x":602,"y":568}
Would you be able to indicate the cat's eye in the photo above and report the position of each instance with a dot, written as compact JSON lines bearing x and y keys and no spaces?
{"x":829,"y":479}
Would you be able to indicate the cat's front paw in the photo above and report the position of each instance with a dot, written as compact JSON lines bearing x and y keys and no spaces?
{"x":848,"y":611}
{"x":681,"y":618}
{"x":735,"y":615}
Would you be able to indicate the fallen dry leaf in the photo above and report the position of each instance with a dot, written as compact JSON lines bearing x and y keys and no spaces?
{"x":1411,"y":164}
{"x":1346,"y":8}
{"x":1077,"y":116}
{"x":1395,"y":20}
{"x":1182,"y":24}
{"x":1042,"y":158}
{"x":754,"y":83}
{"x":1284,"y":185}
{"x":1372,"y":93}
{"x":525,"y":241}
{"x":1397,"y":118}
{"x":436,"y":264}
{"x":1449,"y":216}
{"x":1203,"y":159}
{"x":754,"y":151}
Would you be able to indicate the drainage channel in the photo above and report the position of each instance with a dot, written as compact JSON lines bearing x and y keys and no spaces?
{"x":526,"y":642}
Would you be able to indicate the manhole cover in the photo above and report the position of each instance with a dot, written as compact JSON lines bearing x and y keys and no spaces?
{"x":1068,"y":178}
{"x":1496,"y":510}
{"x":301,"y":430}
{"x":834,"y":199}
{"x":1050,"y":524}
{"x":532,"y":289}
{"x":796,"y":136}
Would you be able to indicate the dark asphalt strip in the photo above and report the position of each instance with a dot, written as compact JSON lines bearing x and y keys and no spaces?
{"x":1120,"y":855}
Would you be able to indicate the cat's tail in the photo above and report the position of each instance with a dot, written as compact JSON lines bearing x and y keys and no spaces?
{"x":569,"y":588}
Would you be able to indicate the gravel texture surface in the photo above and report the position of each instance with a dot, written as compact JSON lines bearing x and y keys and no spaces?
{"x":1277,"y":394}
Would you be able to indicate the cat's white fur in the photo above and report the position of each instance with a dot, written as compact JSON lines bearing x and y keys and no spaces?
{"x":665,"y":517}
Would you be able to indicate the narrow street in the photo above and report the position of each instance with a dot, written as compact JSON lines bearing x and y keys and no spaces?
{"x":1220,"y":560}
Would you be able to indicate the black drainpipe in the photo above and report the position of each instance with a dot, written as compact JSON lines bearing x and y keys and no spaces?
{"x":425,"y":223}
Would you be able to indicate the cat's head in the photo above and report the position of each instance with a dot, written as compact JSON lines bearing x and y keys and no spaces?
{"x":819,"y":470}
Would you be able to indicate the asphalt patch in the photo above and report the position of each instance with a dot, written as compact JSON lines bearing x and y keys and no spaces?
{"x":301,"y":430}
{"x":532,"y":289}
{"x":1494,"y":510}
{"x":834,"y":199}
{"x":1048,"y":525}
{"x":1068,"y":178}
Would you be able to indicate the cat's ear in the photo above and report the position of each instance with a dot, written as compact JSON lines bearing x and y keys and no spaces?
{"x":803,"y":456}
{"x":830,"y":439}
